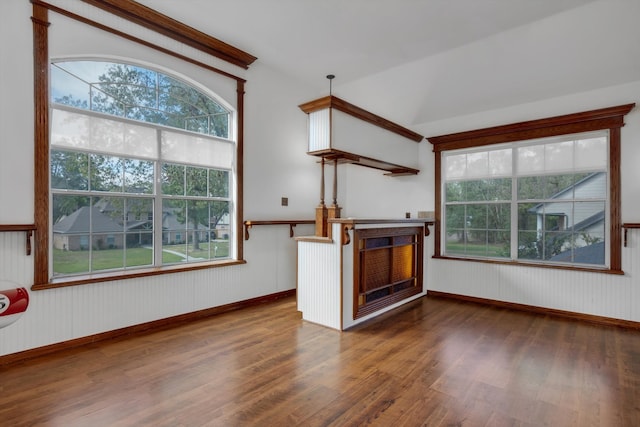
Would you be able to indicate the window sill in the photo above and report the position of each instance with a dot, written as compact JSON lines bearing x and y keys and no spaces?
{"x":123,"y":275}
{"x":535,"y":265}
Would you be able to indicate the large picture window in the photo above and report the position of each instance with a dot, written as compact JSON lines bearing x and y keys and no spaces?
{"x":126,"y":147}
{"x":541,"y":193}
{"x":141,"y":170}
{"x":542,"y":201}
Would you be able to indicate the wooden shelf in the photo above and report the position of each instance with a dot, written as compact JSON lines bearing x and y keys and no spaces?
{"x":28,"y":228}
{"x":344,"y":157}
{"x":350,"y":224}
{"x":290,"y":222}
{"x":626,"y":226}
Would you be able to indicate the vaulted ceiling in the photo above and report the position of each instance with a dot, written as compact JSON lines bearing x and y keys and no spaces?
{"x":431,"y":59}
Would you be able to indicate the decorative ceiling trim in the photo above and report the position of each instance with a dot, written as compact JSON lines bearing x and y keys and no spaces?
{"x":603,"y":118}
{"x":160,"y":23}
{"x":331,"y":101}
{"x":129,"y":37}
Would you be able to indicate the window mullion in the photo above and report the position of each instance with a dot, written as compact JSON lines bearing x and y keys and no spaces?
{"x":90,"y":243}
{"x":157,"y":204}
{"x":136,"y":149}
{"x":514,"y":205}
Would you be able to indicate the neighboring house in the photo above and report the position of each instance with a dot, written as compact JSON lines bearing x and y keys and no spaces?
{"x":591,"y":254}
{"x":569,"y":216}
{"x":174,"y":231}
{"x":582,"y":221}
{"x":72,"y":231}
{"x":221,"y":228}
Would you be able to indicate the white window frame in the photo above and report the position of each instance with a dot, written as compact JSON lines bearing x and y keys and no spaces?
{"x":514,"y":201}
{"x":106,"y":25}
{"x":609,"y":118}
{"x":156,"y":195}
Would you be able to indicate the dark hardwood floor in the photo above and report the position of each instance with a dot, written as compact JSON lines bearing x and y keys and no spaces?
{"x":433,"y":362}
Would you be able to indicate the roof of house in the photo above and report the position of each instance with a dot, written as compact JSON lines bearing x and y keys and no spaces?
{"x":78,"y":222}
{"x":559,"y":194}
{"x":590,"y":254}
{"x":589,"y":222}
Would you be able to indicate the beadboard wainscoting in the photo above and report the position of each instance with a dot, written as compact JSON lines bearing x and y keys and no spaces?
{"x":593,"y":294}
{"x":68,"y":313}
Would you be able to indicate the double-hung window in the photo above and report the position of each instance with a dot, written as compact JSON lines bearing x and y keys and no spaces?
{"x":141,"y":170}
{"x":541,"y":201}
{"x":544,"y":192}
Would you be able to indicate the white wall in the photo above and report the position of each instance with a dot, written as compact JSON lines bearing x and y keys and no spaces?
{"x":590,"y":293}
{"x":367,"y":191}
{"x":276,"y":162}
{"x":576,"y":61}
{"x":275,"y":166}
{"x":16,"y":113}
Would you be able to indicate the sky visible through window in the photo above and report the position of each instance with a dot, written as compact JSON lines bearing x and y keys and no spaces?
{"x":128,"y":189}
{"x":137,"y":93}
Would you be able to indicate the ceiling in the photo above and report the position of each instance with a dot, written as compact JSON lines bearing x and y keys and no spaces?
{"x":308,"y":39}
{"x":355,"y":39}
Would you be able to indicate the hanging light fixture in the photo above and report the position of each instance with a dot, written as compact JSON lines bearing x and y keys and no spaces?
{"x":320,"y":138}
{"x":369,"y":140}
{"x":340,"y":132}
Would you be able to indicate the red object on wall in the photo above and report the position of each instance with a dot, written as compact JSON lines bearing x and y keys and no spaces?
{"x":13,"y":303}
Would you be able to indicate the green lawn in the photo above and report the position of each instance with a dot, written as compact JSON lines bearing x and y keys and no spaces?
{"x":475,"y":249}
{"x":71,"y":262}
{"x":219,"y":249}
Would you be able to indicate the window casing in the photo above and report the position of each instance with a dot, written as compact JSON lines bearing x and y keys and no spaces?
{"x":604,"y":122}
{"x":542,"y":201}
{"x":162,"y":45}
{"x":129,"y":190}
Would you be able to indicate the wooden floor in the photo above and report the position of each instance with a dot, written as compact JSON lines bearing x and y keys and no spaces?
{"x":433,"y":362}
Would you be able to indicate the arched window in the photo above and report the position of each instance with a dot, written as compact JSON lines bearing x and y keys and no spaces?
{"x":141,"y":169}
{"x":137,"y":93}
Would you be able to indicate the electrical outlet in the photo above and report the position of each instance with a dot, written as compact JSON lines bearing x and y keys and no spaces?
{"x":285,"y":201}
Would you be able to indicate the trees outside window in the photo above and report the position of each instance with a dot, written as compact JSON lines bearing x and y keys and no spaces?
{"x":140,"y":169}
{"x":540,"y":201}
{"x":564,"y":203}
